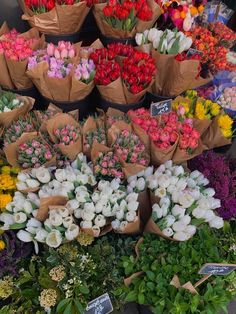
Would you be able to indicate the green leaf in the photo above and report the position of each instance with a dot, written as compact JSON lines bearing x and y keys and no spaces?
{"x":79,"y":306}
{"x":84,"y":289}
{"x":18,"y":226}
{"x":68,"y":309}
{"x":141,"y":298}
{"x":131,"y":296}
{"x":62,"y":305}
{"x":150,"y":275}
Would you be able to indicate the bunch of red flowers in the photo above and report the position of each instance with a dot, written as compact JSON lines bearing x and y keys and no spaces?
{"x":119,"y":49}
{"x":124,"y":14}
{"x":189,"y":138}
{"x":42,"y":6}
{"x":15,"y":47}
{"x":107,"y":72}
{"x":225,"y":35}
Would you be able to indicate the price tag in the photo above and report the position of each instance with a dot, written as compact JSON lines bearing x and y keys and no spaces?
{"x":217,"y":269}
{"x":161,"y":107}
{"x":100,"y":305}
{"x":192,"y":52}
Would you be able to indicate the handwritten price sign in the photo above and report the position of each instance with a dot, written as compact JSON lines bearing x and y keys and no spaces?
{"x":100,"y":305}
{"x":161,"y":107}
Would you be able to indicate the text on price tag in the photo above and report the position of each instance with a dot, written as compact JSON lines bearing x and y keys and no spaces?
{"x":100,"y":305}
{"x":161,"y":107}
{"x":191,"y":52}
{"x":217,"y":269}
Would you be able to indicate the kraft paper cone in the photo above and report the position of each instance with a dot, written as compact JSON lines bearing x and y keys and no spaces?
{"x":37,"y":75}
{"x":130,"y":169}
{"x":79,"y":90}
{"x":143,"y":137}
{"x":6,"y":118}
{"x":114,"y":131}
{"x":132,"y":227}
{"x":213,"y":136}
{"x":153,"y":198}
{"x":46,"y":202}
{"x":156,"y":12}
{"x":128,"y":281}
{"x":113,"y":92}
{"x":180,"y":155}
{"x":144,"y":208}
{"x":105,"y":28}
{"x":60,"y":120}
{"x":4,"y":29}
{"x":17,"y":70}
{"x":98,"y":148}
{"x":133,"y":98}
{"x":160,"y":156}
{"x":201,"y":125}
{"x":147,"y":48}
{"x":92,"y":232}
{"x":89,"y":126}
{"x":164,"y":64}
{"x":114,"y":113}
{"x":184,"y":76}
{"x":151,"y":227}
{"x":59,"y":87}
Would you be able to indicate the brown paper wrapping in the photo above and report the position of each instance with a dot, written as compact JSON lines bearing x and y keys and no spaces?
{"x":180,"y":155}
{"x":132,"y":227}
{"x":79,"y":90}
{"x":97,"y":44}
{"x":89,"y":126}
{"x":60,"y":120}
{"x":98,"y":148}
{"x":113,"y":92}
{"x":130,"y":169}
{"x":11,"y":151}
{"x":6,"y":118}
{"x":63,"y":19}
{"x":45,"y":204}
{"x":159,"y":156}
{"x":183,"y":76}
{"x":153,"y":198}
{"x":144,"y":137}
{"x":188,"y":285}
{"x":145,"y":208}
{"x":109,"y":31}
{"x":201,"y":125}
{"x":147,"y":48}
{"x":104,"y":231}
{"x":59,"y":88}
{"x":151,"y":227}
{"x":164,"y":64}
{"x":17,"y":70}
{"x":115,"y":130}
{"x":133,"y":98}
{"x":213,"y":136}
{"x":128,"y":280}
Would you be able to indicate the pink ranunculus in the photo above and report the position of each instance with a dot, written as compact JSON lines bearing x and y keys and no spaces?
{"x":29,"y":151}
{"x":181,"y":110}
{"x":195,"y":134}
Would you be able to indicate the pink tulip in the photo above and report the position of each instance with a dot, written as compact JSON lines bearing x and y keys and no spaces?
{"x":64,"y":53}
{"x":50,"y":49}
{"x":57,"y":54}
{"x":71,"y":53}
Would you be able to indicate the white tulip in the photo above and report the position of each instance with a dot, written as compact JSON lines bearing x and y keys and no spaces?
{"x":164,"y":181}
{"x":168,"y":164}
{"x":168,"y":232}
{"x":82,"y":196}
{"x":56,"y":220}
{"x":107,"y":191}
{"x":115,"y":224}
{"x":190,"y":230}
{"x":152,"y":35}
{"x":86,"y":169}
{"x":209,"y":192}
{"x":72,"y":232}
{"x":55,"y":184}
{"x":24,"y":236}
{"x":160,"y":192}
{"x":185,"y":44}
{"x":139,"y":39}
{"x":181,"y":184}
{"x":47,"y":224}
{"x":60,"y":175}
{"x":99,"y":207}
{"x":185,"y":220}
{"x":195,"y":174}
{"x":27,"y":207}
{"x":20,"y":217}
{"x":86,"y":224}
{"x":82,"y":179}
{"x":204,"y":203}
{"x":32,"y":183}
{"x":22,"y":176}
{"x":181,"y":236}
{"x":178,"y":211}
{"x":63,"y":212}
{"x":178,"y":170}
{"x":187,"y":24}
{"x":7,"y":219}
{"x":89,"y":207}
{"x":157,"y":210}
{"x":178,"y":226}
{"x":145,"y":33}
{"x":140,"y":184}
{"x":196,"y":194}
{"x":120,"y":214}
{"x":41,"y":235}
{"x":217,"y":223}
{"x":133,"y":205}
{"x":123,"y":225}
{"x":132,"y":180}
{"x":78,"y":213}
{"x":123,"y":205}
{"x":95,"y":196}
{"x":152,"y":182}
{"x":186,"y":199}
{"x":169,"y":220}
{"x":175,"y":196}
{"x":209,"y":215}
{"x":115,"y":184}
{"x":191,"y":183}
{"x":100,"y":221}
{"x":129,"y":189}
{"x":102,"y":184}
{"x":214,"y":203}
{"x":88,"y":215}
{"x":68,"y":186}
{"x":21,"y":186}
{"x":42,"y":175}
{"x":148,"y":172}
{"x":131,"y":216}
{"x":72,"y":205}
{"x":168,"y":172}
{"x":198,"y":212}
{"x":54,"y":239}
{"x":205,"y":182}
{"x":32,"y":197}
{"x":120,"y":194}
{"x":165,"y":200}
{"x":160,"y":169}
{"x":132,"y":197}
{"x":171,"y":188}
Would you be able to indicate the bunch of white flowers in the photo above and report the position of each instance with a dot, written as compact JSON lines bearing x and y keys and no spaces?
{"x":138,"y":182}
{"x":165,"y":42}
{"x":184,"y":203}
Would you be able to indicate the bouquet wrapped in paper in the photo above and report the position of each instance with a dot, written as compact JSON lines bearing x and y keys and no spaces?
{"x":15,"y":51}
{"x":123,"y":82}
{"x":177,"y":70}
{"x":55,"y":16}
{"x":122,"y":19}
{"x":60,"y":74}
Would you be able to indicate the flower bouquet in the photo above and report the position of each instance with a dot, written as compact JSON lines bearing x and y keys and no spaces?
{"x":126,"y":83}
{"x":15,"y":50}
{"x":93,"y":130}
{"x":225,"y":35}
{"x":66,"y":134}
{"x":169,"y":48}
{"x":114,"y":115}
{"x":55,"y":17}
{"x":30,"y":151}
{"x":184,"y":203}
{"x":12,"y":106}
{"x":122,"y":19}
{"x":60,"y":74}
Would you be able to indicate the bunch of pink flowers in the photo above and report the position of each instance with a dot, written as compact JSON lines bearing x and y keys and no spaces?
{"x":34,"y":153}
{"x":98,"y":135}
{"x":189,"y":138}
{"x":63,"y":50}
{"x":107,"y":166}
{"x":67,"y":135}
{"x":129,"y":147}
{"x":16,"y":47}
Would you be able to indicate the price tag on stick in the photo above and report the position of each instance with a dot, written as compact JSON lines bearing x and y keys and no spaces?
{"x":161,"y":107}
{"x":217,"y":269}
{"x":100,"y":305}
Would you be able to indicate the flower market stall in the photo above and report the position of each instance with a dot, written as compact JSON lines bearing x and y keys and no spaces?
{"x":117,"y":182}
